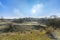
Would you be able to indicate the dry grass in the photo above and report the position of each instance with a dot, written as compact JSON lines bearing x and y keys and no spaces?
{"x":33,"y":35}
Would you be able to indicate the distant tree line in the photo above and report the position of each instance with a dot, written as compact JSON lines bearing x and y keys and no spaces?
{"x":21,"y":20}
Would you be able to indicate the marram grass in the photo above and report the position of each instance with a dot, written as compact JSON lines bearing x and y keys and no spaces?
{"x":35,"y":35}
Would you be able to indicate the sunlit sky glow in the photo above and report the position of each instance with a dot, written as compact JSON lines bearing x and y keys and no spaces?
{"x":29,"y":8}
{"x":36,"y":8}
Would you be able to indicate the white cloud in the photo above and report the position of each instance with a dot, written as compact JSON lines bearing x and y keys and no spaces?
{"x":17,"y":12}
{"x":54,"y":13}
{"x":1,"y":4}
{"x":36,"y":8}
{"x":57,"y":14}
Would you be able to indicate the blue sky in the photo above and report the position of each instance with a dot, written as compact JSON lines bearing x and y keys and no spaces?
{"x":29,"y":8}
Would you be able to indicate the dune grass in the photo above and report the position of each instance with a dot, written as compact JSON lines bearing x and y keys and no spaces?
{"x":33,"y":35}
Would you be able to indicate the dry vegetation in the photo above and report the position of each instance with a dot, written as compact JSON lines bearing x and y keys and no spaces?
{"x":33,"y":35}
{"x":25,"y":35}
{"x":23,"y":29}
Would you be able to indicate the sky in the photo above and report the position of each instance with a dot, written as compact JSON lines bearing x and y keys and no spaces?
{"x":29,"y":8}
